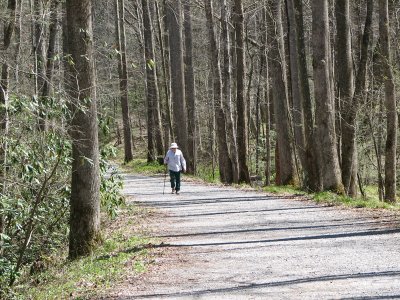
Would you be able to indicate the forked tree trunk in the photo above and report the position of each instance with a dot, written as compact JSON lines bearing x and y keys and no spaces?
{"x":324,"y":104}
{"x":350,"y":109}
{"x":224,"y":161}
{"x":390,"y":103}
{"x":85,"y":201}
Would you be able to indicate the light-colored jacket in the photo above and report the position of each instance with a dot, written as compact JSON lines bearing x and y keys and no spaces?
{"x":175,"y":161}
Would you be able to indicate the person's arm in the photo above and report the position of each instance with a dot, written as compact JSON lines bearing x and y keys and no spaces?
{"x":166,"y":159}
{"x":183,"y":162}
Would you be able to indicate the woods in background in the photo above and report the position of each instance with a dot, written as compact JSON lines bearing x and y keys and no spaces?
{"x":287,"y":92}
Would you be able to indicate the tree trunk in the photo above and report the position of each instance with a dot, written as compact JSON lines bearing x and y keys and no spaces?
{"x":390,"y":103}
{"x":50,"y":58}
{"x":166,"y":113}
{"x":312,"y":180}
{"x":268,"y":135}
{"x":4,"y":84}
{"x":190,"y":88}
{"x":350,"y":108}
{"x":155,"y":139}
{"x":297,"y":113}
{"x":238,"y":17}
{"x":123,"y":78}
{"x":280,"y":98}
{"x":174,"y":21}
{"x":85,"y":201}
{"x":324,"y":108}
{"x":344,"y":71}
{"x":224,"y":161}
{"x":40,"y":62}
{"x":226,"y":93}
{"x":18,"y":28}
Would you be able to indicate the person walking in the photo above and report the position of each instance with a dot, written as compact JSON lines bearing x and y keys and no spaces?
{"x":176,"y":164}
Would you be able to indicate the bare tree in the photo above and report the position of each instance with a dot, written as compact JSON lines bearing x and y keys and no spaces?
{"x":154,"y":132}
{"x":311,"y":165}
{"x":163,"y":42}
{"x":226,"y":92}
{"x":225,"y":164}
{"x":350,"y":105}
{"x":238,"y":17}
{"x":51,"y":50}
{"x":123,"y":77}
{"x":174,"y":20}
{"x":190,"y":87}
{"x":39,"y":57}
{"x":390,"y":103}
{"x":9,"y":27}
{"x":345,"y":79}
{"x":280,"y":96}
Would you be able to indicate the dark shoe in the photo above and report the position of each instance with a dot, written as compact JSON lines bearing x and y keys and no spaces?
{"x":173,"y":191}
{"x":177,"y":192}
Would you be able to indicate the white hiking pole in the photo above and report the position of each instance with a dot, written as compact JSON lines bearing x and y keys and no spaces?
{"x":165,"y":177}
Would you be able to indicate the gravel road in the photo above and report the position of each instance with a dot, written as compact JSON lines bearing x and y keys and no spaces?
{"x":225,"y":243}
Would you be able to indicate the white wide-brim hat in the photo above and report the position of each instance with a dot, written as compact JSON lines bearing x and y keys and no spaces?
{"x":174,"y":146}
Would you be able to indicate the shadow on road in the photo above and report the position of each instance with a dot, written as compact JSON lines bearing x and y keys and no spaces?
{"x":278,"y":284}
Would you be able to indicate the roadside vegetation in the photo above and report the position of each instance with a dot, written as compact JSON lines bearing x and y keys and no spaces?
{"x":124,"y":251}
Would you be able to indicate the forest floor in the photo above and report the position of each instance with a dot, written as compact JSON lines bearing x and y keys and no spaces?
{"x":217,"y":242}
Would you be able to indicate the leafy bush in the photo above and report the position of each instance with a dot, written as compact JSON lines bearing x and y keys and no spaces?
{"x":34,"y":198}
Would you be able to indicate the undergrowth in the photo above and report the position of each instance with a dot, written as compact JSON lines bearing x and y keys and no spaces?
{"x":122,"y":253}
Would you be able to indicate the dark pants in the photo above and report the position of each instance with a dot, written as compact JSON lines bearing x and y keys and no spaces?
{"x":175,"y":180}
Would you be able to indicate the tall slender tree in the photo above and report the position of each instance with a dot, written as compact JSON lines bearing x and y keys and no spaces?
{"x":297,"y":111}
{"x":226,"y":92}
{"x":84,"y":202}
{"x":174,"y":20}
{"x":324,"y":104}
{"x":311,"y":165}
{"x":9,"y":26}
{"x":154,"y":132}
{"x":189,"y":87}
{"x":166,"y":118}
{"x":390,"y":103}
{"x":123,"y":77}
{"x":351,"y":106}
{"x":51,"y":50}
{"x":238,"y":18}
{"x":280,"y":96}
{"x":345,"y":83}
{"x":39,"y":12}
{"x":224,"y":161}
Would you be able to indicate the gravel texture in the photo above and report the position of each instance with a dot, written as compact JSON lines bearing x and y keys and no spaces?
{"x":226,"y":243}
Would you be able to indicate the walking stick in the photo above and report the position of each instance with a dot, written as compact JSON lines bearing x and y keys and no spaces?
{"x":165,"y":177}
